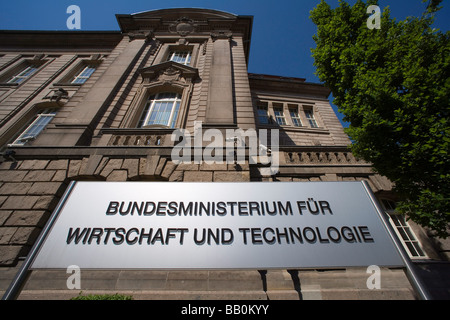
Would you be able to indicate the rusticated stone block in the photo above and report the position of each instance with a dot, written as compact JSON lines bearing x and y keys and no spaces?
{"x":12,"y":175}
{"x":60,"y":175}
{"x":9,"y":254}
{"x":58,"y":165}
{"x":42,"y":188}
{"x":4,"y":215}
{"x":117,"y":175}
{"x":17,"y":188}
{"x":112,"y":164}
{"x":39,"y":175}
{"x":74,"y":168}
{"x":2,"y":200}
{"x":33,"y":164}
{"x":176,"y":176}
{"x":20,"y":202}
{"x":169,"y":168}
{"x":46,"y":203}
{"x":226,"y":176}
{"x":27,"y":218}
{"x":25,"y":236}
{"x":214,"y":167}
{"x":199,"y":176}
{"x":6,"y":234}
{"x":132,"y":166}
{"x":160,"y":167}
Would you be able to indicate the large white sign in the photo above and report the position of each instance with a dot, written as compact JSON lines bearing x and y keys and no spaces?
{"x":162,"y":225}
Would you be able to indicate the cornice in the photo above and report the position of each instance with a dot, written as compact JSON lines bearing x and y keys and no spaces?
{"x":59,"y":39}
{"x":261,"y":82}
{"x":189,"y":23}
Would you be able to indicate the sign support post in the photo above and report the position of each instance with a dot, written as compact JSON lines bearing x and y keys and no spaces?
{"x":19,"y":280}
{"x":411,"y":269}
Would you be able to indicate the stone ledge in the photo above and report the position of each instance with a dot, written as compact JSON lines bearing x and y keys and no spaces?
{"x":146,"y":295}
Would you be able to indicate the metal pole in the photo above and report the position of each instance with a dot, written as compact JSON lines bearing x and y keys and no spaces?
{"x":19,"y":280}
{"x":411,"y":269}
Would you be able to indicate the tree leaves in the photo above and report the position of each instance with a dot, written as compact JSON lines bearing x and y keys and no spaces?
{"x":392,"y":84}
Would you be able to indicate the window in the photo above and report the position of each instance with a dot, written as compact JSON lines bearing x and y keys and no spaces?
{"x":407,"y":236}
{"x":84,"y":75}
{"x":183,"y":57}
{"x":310,"y":117}
{"x":295,"y":117}
{"x":35,"y":128}
{"x":279,"y":116}
{"x":161,"y":109}
{"x":403,"y":230}
{"x":263,"y":116}
{"x":23,"y":74}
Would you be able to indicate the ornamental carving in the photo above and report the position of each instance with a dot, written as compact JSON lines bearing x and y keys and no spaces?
{"x":221,"y":34}
{"x":147,"y":35}
{"x":322,"y":157}
{"x":170,"y":74}
{"x":182,"y":26}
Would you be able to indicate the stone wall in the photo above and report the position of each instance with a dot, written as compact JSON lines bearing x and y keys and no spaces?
{"x":31,"y":189}
{"x":29,"y":192}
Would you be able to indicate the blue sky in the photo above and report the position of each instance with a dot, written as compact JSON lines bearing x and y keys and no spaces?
{"x":282,"y":30}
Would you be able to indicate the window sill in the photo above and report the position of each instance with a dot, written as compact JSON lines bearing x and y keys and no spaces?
{"x":137,"y":131}
{"x":9,"y":85}
{"x":295,"y":129}
{"x":68,"y":84}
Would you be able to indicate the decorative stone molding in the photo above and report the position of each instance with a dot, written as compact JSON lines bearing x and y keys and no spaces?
{"x":183,"y":26}
{"x":137,"y":140}
{"x":221,"y":34}
{"x":149,"y":137}
{"x":169,"y":72}
{"x":205,"y":46}
{"x":147,"y":35}
{"x":322,"y":157}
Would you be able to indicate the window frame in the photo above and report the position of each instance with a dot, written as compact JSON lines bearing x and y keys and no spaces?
{"x":264,"y":107}
{"x":45,"y":114}
{"x":309,"y":115}
{"x":21,"y":77}
{"x":404,"y":231}
{"x":280,"y":118}
{"x":296,"y":120}
{"x":149,"y":107}
{"x":80,"y":65}
{"x":80,"y":75}
{"x":186,"y":60}
{"x":18,"y":71}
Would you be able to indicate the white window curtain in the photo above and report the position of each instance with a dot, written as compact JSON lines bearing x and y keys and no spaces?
{"x":161,"y":109}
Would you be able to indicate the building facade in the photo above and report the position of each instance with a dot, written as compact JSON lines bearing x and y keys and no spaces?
{"x":103,"y":106}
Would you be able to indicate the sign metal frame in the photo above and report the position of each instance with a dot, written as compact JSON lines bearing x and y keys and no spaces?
{"x":23,"y":273}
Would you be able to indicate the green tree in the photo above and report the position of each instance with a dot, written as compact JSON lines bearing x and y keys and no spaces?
{"x":392,"y":84}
